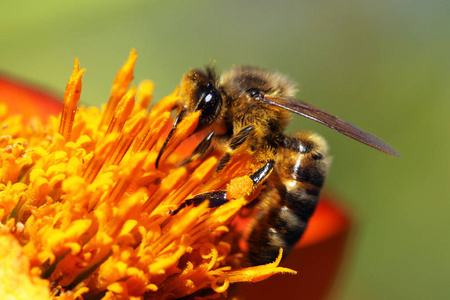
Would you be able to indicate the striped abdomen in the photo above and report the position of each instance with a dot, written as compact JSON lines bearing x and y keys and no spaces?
{"x":290,"y":198}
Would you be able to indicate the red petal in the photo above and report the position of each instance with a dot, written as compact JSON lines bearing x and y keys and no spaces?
{"x":26,"y":100}
{"x":328,"y":220}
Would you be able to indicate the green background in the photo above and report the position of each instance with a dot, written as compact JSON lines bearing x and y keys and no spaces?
{"x":383,"y":65}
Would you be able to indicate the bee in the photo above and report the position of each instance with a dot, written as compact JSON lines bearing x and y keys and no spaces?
{"x":249,"y":108}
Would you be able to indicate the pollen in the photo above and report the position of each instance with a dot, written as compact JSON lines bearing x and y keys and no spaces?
{"x":85,"y":211}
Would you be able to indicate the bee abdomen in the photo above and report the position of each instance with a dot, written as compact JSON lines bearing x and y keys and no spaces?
{"x":290,"y":198}
{"x":280,"y":226}
{"x":282,"y":230}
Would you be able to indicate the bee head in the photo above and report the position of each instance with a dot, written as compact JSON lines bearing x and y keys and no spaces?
{"x":199,"y":92}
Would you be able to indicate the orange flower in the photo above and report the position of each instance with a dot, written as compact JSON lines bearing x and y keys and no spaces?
{"x":85,"y":212}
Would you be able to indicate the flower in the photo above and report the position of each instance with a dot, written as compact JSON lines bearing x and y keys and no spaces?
{"x":88,"y":210}
{"x":84,"y":211}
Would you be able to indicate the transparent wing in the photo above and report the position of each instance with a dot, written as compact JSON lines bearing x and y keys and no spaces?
{"x":315,"y":114}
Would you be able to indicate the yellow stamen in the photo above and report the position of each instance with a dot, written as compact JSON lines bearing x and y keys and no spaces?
{"x":122,"y":112}
{"x":144,"y":94}
{"x":71,"y":98}
{"x":120,"y":86}
{"x":17,"y":282}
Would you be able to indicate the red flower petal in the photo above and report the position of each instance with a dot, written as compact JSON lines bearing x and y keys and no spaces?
{"x":28,"y":101}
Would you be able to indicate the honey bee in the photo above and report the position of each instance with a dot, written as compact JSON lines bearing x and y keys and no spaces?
{"x":250,"y":107}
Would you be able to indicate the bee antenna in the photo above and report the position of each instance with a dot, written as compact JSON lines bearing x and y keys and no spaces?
{"x":211,"y":72}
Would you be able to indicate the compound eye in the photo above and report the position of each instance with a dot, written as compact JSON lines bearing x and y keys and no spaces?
{"x":209,"y":103}
{"x":255,"y":94}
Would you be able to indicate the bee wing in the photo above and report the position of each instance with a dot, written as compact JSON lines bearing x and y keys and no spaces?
{"x":304,"y":109}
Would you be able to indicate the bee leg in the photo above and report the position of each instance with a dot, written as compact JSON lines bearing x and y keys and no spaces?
{"x":261,"y":175}
{"x":240,"y":137}
{"x":236,"y":141}
{"x":178,"y":119}
{"x":201,"y":150}
{"x":216,"y":199}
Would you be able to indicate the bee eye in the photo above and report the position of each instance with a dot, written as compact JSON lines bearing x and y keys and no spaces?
{"x":209,"y":103}
{"x":255,"y":94}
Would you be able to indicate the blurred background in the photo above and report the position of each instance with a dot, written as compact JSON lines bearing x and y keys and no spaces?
{"x":383,"y":65}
